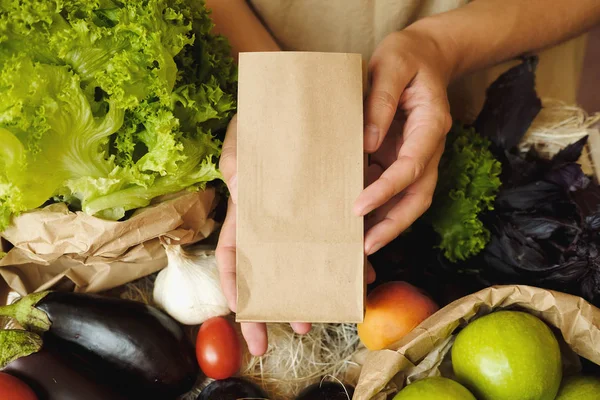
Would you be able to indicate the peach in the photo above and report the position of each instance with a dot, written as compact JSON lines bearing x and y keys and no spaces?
{"x":393,"y":310}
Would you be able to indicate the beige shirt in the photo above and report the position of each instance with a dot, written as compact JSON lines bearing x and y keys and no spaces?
{"x":357,"y":26}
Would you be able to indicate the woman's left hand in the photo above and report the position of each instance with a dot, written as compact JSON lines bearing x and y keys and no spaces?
{"x":409,"y":79}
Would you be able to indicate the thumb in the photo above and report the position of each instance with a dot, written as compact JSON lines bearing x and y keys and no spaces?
{"x":228,"y":161}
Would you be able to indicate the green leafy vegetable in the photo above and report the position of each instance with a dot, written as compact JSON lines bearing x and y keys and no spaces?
{"x":107,"y":104}
{"x":467,"y":186}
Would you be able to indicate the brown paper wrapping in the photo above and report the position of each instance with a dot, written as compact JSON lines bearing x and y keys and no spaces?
{"x":423,"y":350}
{"x":300,"y":169}
{"x":53,"y":246}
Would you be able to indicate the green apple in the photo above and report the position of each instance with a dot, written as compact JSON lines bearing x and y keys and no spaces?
{"x":434,"y":388}
{"x":508,"y":355}
{"x":579,"y":388}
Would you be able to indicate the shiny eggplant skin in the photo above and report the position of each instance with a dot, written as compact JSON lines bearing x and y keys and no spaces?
{"x":134,"y":348}
{"x":232,"y":389}
{"x":326,"y":391}
{"x":51,"y":378}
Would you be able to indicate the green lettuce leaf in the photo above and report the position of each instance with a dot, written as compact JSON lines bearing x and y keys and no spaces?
{"x":467,"y":186}
{"x":48,"y":132}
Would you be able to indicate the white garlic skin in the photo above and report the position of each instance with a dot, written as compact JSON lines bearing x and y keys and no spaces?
{"x":189,"y":289}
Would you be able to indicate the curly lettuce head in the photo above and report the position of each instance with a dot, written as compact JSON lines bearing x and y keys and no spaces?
{"x":107,"y":104}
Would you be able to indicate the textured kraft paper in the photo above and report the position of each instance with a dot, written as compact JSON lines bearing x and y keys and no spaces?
{"x":421,"y":353}
{"x":53,"y":246}
{"x":300,"y":168}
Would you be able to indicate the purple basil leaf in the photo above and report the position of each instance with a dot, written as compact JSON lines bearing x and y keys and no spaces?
{"x":514,"y":250}
{"x":529,"y":196}
{"x":588,"y":199}
{"x":571,"y":153}
{"x":518,"y":170}
{"x":542,"y":227}
{"x":592,"y":222}
{"x":590,"y":284}
{"x":499,"y":267}
{"x":570,"y":176}
{"x":511,"y":105}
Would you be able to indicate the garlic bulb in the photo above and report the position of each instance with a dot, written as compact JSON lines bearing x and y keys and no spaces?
{"x":188,"y":289}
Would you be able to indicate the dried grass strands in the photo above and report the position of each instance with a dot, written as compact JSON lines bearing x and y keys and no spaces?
{"x":294,"y":361}
{"x":557,"y":125}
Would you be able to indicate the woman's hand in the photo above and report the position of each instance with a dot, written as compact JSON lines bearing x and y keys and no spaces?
{"x":409,"y":78}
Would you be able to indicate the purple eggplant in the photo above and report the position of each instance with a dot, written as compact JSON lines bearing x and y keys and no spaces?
{"x":327,"y":391}
{"x":232,"y":389}
{"x":52,"y":378}
{"x":133,"y":348}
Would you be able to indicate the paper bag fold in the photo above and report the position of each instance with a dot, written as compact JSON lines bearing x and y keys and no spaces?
{"x":300,"y":168}
{"x":52,"y":244}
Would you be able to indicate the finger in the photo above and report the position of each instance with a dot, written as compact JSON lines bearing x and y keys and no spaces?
{"x":374,"y":171}
{"x":390,"y":76}
{"x":410,"y":206}
{"x":424,"y":129}
{"x":225,"y":254}
{"x":228,"y":160}
{"x":301,"y":327}
{"x":380,"y":213}
{"x":370,"y":273}
{"x":255,"y":335}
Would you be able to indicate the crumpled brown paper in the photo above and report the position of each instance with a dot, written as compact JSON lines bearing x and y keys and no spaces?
{"x":53,"y":246}
{"x":577,"y":320}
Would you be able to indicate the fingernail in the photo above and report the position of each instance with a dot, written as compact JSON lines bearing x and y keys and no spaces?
{"x":371,"y":137}
{"x":255,"y":350}
{"x":374,"y":248}
{"x":358,"y":209}
{"x":232,"y":185}
{"x":361,"y":210}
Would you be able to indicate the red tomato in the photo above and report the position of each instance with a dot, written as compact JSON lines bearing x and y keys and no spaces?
{"x":14,"y":389}
{"x":218,"y":349}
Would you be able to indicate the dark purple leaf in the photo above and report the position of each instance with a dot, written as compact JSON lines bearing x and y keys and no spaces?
{"x":511,"y":105}
{"x":567,"y":272}
{"x":590,"y":284}
{"x":518,"y":170}
{"x":542,"y":227}
{"x":514,"y":250}
{"x":497,"y":269}
{"x":592,"y":222}
{"x":588,"y":199}
{"x":530,"y":196}
{"x":570,"y":176}
{"x":571,"y":153}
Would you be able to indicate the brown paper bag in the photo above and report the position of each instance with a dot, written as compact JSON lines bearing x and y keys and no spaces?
{"x":300,"y":169}
{"x":55,"y":246}
{"x":422,"y":352}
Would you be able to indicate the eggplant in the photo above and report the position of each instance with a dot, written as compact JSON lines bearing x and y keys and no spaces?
{"x":51,"y":378}
{"x":134,"y":348}
{"x":232,"y":389}
{"x":326,"y":391}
